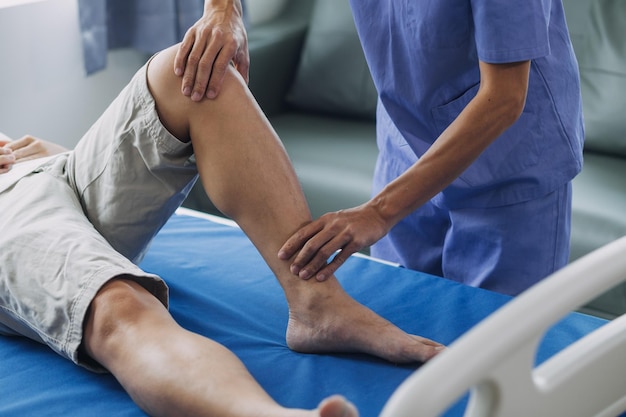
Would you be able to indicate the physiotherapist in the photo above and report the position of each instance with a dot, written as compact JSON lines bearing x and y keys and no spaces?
{"x":480,"y":132}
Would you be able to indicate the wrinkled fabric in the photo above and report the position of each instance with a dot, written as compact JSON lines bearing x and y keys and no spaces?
{"x":424,"y":58}
{"x":87,"y":216}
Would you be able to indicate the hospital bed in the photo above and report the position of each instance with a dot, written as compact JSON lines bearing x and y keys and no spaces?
{"x":588,"y":378}
{"x":220,"y":287}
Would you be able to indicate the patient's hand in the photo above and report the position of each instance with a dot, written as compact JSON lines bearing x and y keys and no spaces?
{"x":209,"y":47}
{"x":7,"y":159}
{"x":25,"y":149}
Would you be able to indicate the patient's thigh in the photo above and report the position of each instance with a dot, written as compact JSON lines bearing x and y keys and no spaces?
{"x":129,"y":172}
{"x":53,"y":262}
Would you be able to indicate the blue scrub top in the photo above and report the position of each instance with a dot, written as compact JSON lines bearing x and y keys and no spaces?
{"x":424,"y":57}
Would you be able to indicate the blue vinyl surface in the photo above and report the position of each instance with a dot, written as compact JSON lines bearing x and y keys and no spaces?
{"x":221,"y":288}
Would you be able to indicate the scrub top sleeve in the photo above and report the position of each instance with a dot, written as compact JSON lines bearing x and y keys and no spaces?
{"x":511,"y":30}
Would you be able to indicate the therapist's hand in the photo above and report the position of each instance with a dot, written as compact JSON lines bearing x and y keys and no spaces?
{"x":209,"y":46}
{"x":343,"y":232}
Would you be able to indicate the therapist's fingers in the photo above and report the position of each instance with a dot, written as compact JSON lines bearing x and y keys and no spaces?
{"x":197,"y":70}
{"x":339,"y":233}
{"x":184,"y":48}
{"x":194,"y":58}
{"x":214,"y":42}
{"x":227,"y":56}
{"x":313,"y":259}
{"x":210,"y":85}
{"x":315,"y":244}
{"x":296,"y":243}
{"x":206,"y":63}
{"x":331,"y":267}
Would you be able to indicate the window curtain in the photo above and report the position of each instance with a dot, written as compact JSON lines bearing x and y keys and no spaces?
{"x":145,"y":25}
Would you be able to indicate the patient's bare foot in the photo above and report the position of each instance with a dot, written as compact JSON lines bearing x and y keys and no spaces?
{"x":336,"y":323}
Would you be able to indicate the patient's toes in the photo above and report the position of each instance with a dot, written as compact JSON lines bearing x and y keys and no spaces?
{"x":426,"y":349}
{"x":337,"y":406}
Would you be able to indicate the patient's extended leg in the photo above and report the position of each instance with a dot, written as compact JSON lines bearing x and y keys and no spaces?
{"x":248,"y":176}
{"x":169,"y":371}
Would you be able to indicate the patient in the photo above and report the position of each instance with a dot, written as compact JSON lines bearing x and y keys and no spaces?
{"x":75,"y":224}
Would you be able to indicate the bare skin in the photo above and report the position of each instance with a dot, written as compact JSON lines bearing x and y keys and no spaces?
{"x":24,"y":149}
{"x":250,"y":170}
{"x":7,"y":159}
{"x":129,"y":331}
{"x":220,"y":36}
{"x":169,"y":371}
{"x":497,"y":105}
{"x":215,"y":41}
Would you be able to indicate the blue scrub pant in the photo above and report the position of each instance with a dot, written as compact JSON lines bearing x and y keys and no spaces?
{"x":505,"y":249}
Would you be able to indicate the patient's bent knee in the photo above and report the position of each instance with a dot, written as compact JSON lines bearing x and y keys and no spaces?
{"x":165,"y":87}
{"x":184,"y":117}
{"x":120,"y":305}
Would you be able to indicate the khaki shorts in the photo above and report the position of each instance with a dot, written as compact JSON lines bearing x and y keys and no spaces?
{"x":86,"y":217}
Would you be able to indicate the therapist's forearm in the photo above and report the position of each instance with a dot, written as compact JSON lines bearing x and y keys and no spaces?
{"x":484,"y":119}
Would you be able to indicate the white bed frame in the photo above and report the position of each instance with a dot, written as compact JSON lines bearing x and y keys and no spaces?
{"x":495,"y":360}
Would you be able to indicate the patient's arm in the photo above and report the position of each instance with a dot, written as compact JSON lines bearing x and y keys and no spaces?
{"x":23,"y":149}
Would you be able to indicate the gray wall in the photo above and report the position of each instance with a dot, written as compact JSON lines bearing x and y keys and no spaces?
{"x":43,"y":87}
